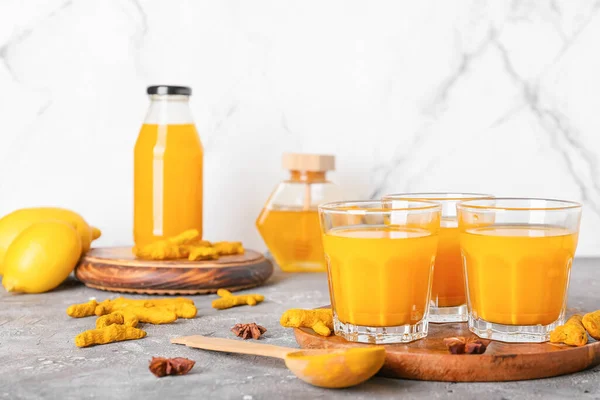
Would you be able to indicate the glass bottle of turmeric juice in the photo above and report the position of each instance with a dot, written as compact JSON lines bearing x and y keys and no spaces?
{"x":289,"y":222}
{"x":168,"y":162}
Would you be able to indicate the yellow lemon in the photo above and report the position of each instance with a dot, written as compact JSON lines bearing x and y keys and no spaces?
{"x":96,"y":233}
{"x":41,"y":257}
{"x":14,"y":223}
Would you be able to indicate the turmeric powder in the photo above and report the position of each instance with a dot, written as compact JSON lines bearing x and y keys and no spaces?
{"x":591,"y":322}
{"x":229,"y":300}
{"x":109,"y":334}
{"x":320,"y":320}
{"x":572,"y":332}
{"x":82,"y":310}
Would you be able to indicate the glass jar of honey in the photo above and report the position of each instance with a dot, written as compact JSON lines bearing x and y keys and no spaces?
{"x":168,"y":163}
{"x":289,"y":222}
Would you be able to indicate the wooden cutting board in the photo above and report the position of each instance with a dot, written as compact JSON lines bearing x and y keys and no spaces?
{"x":116,"y":269}
{"x":428,"y":359}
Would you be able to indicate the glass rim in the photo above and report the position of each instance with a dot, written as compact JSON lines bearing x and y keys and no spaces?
{"x":361,"y":207}
{"x":438,"y":196}
{"x":560,"y":205}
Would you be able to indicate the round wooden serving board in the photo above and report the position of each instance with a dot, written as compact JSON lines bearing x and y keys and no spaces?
{"x":429,"y":360}
{"x":116,"y":269}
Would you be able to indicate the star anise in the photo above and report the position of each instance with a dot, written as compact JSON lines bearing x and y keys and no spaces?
{"x":461,"y":345}
{"x":247,"y":331}
{"x":475,"y":346}
{"x":161,"y":366}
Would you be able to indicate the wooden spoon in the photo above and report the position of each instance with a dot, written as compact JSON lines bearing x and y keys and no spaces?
{"x":328,"y":368}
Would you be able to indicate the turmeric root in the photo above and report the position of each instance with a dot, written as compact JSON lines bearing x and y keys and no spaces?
{"x":591,"y":322}
{"x":162,"y":250}
{"x":182,"y":310}
{"x":114,"y":318}
{"x":185,"y":237}
{"x":121,"y":317}
{"x":320,"y":320}
{"x":188,"y":244}
{"x":118,"y":318}
{"x":213,"y":251}
{"x":229,"y":300}
{"x":129,"y":318}
{"x":572,"y":332}
{"x":168,"y":249}
{"x":228,"y":248}
{"x":197,"y":253}
{"x":162,"y":302}
{"x":109,"y":334}
{"x":108,"y":306}
{"x":198,"y":242}
{"x":82,"y":310}
{"x":153,"y":315}
{"x":182,"y":307}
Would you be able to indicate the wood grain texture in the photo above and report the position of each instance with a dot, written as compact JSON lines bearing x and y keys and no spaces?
{"x":116,"y":269}
{"x":428,"y":359}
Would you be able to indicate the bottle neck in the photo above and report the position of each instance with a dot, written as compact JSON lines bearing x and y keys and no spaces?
{"x":169,"y":110}
{"x":307,"y":176}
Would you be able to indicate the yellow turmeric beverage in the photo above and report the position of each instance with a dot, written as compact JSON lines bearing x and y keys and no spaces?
{"x":379,"y":275}
{"x":518,"y":275}
{"x":448,"y":286}
{"x":294,"y":238}
{"x":168,"y":182}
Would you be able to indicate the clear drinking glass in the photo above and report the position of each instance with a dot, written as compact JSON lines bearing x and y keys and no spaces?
{"x":517,"y":255}
{"x":379,"y":263}
{"x":448,"y":298}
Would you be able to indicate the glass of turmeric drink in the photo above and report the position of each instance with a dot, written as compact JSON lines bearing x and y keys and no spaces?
{"x":379,"y":263}
{"x":517,"y":255}
{"x":448,"y":298}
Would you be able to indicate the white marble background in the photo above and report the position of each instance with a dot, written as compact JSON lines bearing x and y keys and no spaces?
{"x":485,"y":96}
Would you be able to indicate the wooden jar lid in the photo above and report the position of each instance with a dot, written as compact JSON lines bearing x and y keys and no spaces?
{"x":308,"y":162}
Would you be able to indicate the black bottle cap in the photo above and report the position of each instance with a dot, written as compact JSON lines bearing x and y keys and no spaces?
{"x":167,"y":89}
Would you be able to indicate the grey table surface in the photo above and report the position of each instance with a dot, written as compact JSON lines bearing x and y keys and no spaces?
{"x":39,"y":360}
